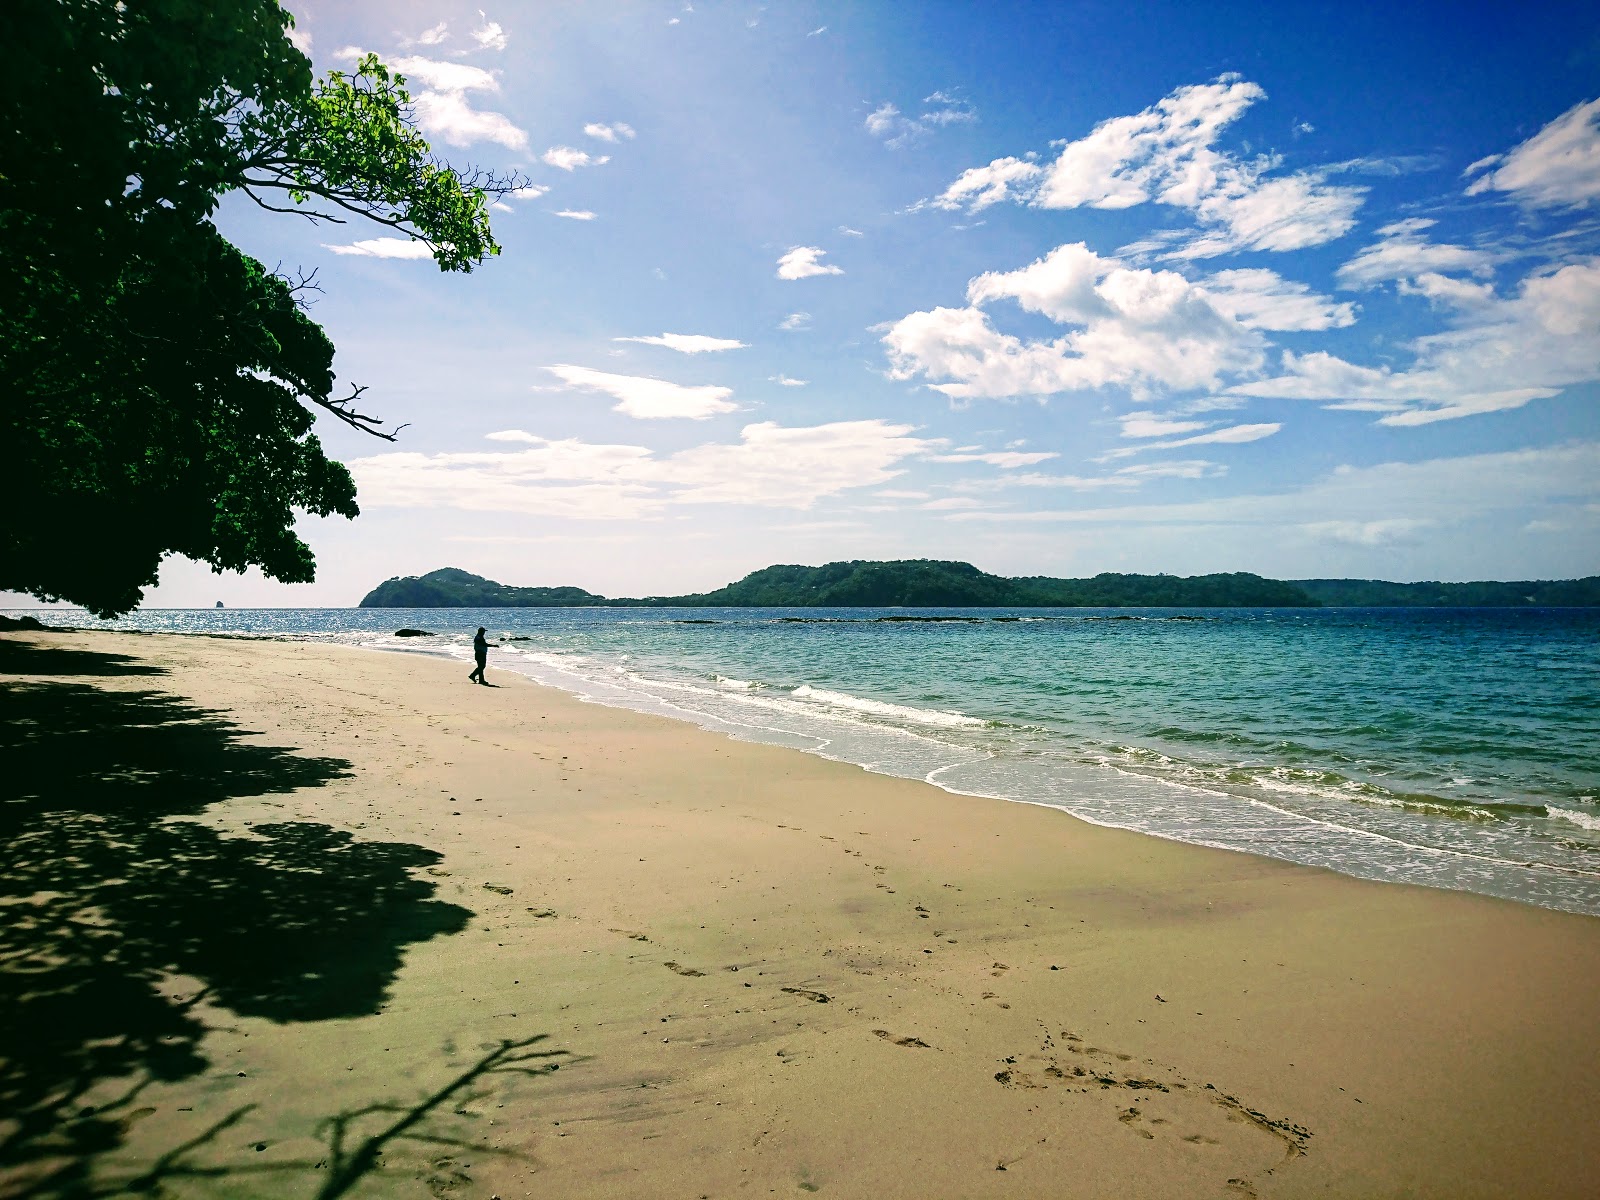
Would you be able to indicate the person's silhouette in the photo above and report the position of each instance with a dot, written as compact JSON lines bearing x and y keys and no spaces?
{"x":480,"y":651}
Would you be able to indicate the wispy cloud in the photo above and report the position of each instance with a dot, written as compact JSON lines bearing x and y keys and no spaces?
{"x":687,"y":343}
{"x":897,"y":129}
{"x":648,"y":398}
{"x":795,"y":322}
{"x":785,"y":381}
{"x":1558,"y":167}
{"x":383,"y":247}
{"x":575,"y":214}
{"x":770,"y":466}
{"x":609,"y":133}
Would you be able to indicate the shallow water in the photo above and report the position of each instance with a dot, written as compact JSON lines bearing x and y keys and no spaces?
{"x":1455,"y":748}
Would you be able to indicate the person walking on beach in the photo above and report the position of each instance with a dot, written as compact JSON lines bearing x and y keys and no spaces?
{"x":480,"y":651}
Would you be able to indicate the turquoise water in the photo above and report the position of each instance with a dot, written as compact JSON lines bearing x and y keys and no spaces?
{"x":1452,"y":748}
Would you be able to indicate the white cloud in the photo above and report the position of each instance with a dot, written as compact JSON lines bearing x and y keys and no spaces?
{"x":1403,"y":252}
{"x":947,"y":108}
{"x":384,"y":247}
{"x":818,"y":31}
{"x":1166,"y":154}
{"x":795,"y":321}
{"x":1261,"y":299}
{"x":687,"y":343}
{"x":800,"y":262}
{"x":1005,"y":459}
{"x":897,"y":130}
{"x":648,"y":398}
{"x":1231,"y":435}
{"x":848,"y":232}
{"x":1151,"y":425}
{"x":770,"y":466}
{"x":443,"y":110}
{"x":1126,"y":478}
{"x":978,"y":187}
{"x":429,"y":37}
{"x":575,"y":214}
{"x":785,"y":381}
{"x":1501,"y":354}
{"x":489,"y":35}
{"x":608,"y":133}
{"x":1558,"y":167}
{"x":446,"y":76}
{"x":299,"y":36}
{"x":531,"y":192}
{"x":569,"y":158}
{"x":1145,"y":330}
{"x":792,"y":468}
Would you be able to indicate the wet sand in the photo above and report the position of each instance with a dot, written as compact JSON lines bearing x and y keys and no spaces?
{"x":285,"y":920}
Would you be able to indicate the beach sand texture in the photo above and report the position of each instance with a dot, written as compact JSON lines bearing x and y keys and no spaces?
{"x":300,"y":921}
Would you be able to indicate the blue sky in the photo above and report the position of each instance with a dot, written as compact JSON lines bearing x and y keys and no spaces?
{"x":1304,"y":290}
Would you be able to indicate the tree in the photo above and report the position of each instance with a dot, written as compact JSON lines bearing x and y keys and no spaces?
{"x":160,"y":386}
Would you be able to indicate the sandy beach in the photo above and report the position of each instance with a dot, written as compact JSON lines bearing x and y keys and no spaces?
{"x":301,"y":921}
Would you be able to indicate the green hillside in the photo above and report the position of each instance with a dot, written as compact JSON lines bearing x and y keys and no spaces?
{"x":909,"y":583}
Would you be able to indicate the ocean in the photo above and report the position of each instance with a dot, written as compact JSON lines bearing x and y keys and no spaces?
{"x":1455,"y":748}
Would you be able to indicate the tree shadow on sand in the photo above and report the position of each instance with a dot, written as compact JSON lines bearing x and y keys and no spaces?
{"x":109,"y":900}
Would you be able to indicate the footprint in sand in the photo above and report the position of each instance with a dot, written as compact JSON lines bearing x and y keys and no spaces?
{"x":813,"y":996}
{"x":1131,"y":1118}
{"x":904,"y":1041}
{"x":680,"y":969}
{"x":630,"y":933}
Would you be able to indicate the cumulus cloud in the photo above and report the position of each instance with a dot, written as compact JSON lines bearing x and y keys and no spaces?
{"x":575,"y":214}
{"x":801,"y":262}
{"x":1167,"y":154}
{"x":530,"y":192}
{"x":569,"y":158}
{"x":785,"y":381}
{"x":1558,"y":167}
{"x":1500,"y":354}
{"x":443,"y":110}
{"x":1145,"y":330}
{"x":687,"y":343}
{"x":646,"y":397}
{"x":608,"y":133}
{"x":769,"y":466}
{"x":384,"y":247}
{"x":795,"y":321}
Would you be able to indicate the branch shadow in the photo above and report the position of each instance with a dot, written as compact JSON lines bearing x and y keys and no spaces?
{"x":107,"y":894}
{"x":351,"y":1156}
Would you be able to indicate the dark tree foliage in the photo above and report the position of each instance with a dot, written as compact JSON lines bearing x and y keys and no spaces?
{"x":161,"y":386}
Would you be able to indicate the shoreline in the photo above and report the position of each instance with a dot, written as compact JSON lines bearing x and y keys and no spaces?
{"x":1012,"y":1002}
{"x":1368,"y":824}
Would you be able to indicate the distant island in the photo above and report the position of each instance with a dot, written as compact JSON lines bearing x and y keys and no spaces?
{"x":931,"y":583}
